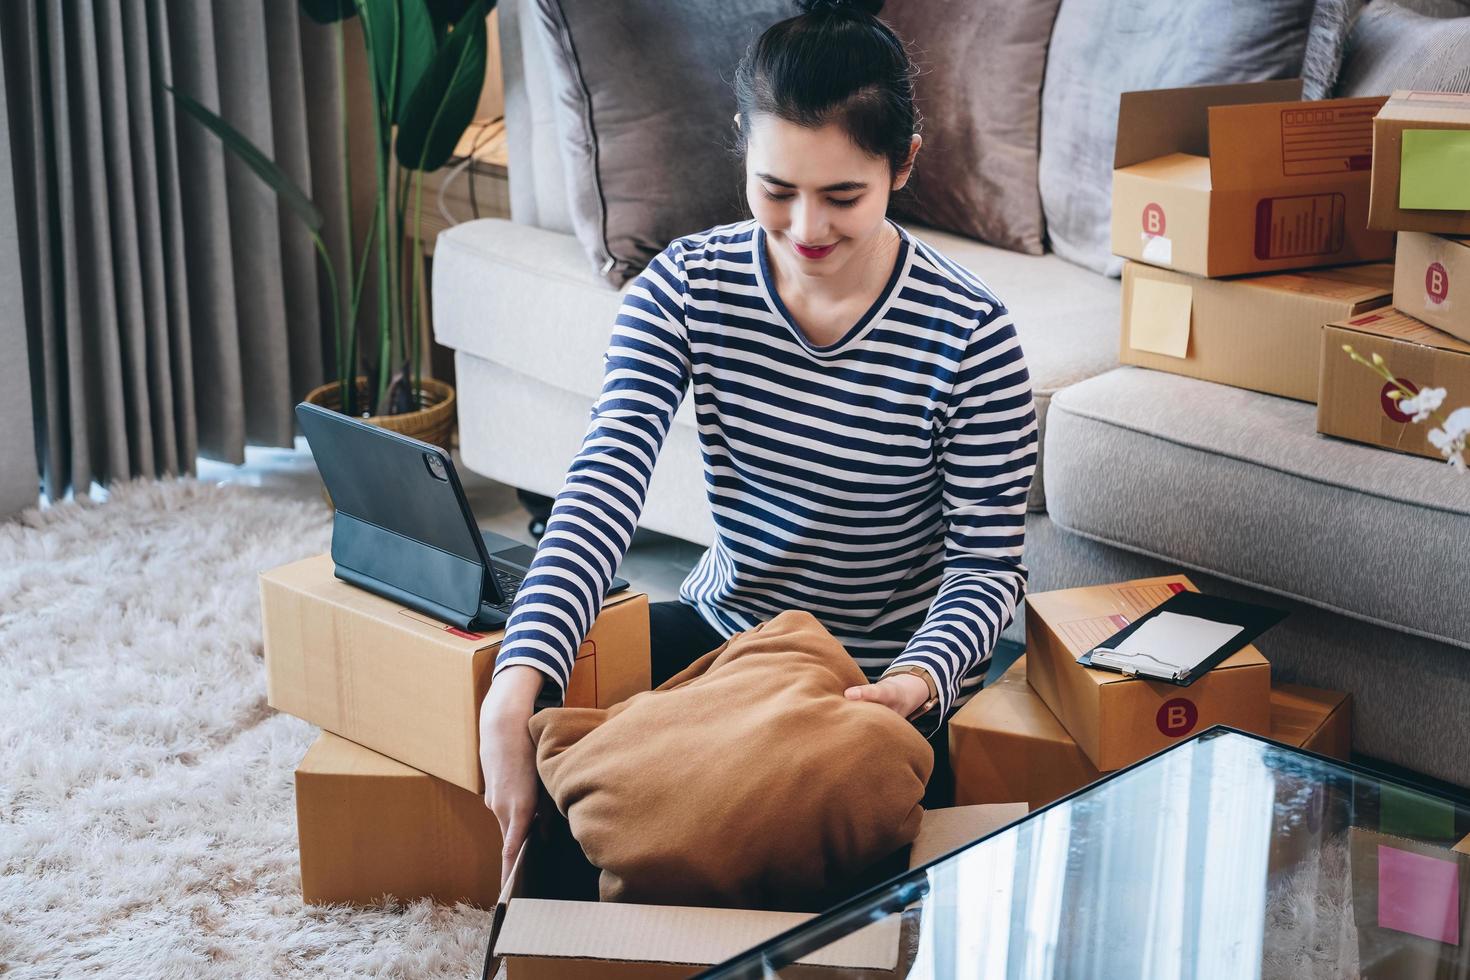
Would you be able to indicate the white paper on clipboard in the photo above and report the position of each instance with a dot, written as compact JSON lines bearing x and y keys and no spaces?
{"x":1171,"y":641}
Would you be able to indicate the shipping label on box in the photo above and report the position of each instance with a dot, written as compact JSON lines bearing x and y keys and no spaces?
{"x":1432,"y":280}
{"x":1421,"y":156}
{"x":1005,"y":744}
{"x":1116,"y":719}
{"x":406,"y":685}
{"x":371,"y":827}
{"x":1263,"y":333}
{"x":1354,"y":402}
{"x":1222,"y":180}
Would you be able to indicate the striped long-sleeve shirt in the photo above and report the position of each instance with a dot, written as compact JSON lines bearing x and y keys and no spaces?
{"x":879,"y":482}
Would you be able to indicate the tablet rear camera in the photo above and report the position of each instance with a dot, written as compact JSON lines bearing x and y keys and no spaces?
{"x":436,"y":467}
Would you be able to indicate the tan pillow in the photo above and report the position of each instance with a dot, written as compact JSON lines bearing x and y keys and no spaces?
{"x":746,"y":781}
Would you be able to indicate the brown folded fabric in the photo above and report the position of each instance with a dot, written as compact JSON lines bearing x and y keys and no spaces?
{"x":746,"y":781}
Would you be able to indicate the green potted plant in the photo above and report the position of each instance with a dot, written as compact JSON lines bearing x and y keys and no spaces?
{"x":426,"y":60}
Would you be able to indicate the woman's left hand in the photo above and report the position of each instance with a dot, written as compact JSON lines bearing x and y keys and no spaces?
{"x":904,"y":693}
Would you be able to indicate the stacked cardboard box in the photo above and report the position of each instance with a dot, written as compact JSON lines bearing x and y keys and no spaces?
{"x":389,"y":799}
{"x":1243,"y":180}
{"x":1421,"y":156}
{"x":1006,"y":744}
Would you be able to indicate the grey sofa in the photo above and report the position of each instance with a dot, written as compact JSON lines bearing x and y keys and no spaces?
{"x":1143,"y":473}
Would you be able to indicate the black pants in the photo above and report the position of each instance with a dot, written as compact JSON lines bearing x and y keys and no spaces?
{"x":678,"y":636}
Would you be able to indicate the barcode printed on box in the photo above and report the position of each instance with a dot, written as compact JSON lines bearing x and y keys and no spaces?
{"x":1324,"y":139}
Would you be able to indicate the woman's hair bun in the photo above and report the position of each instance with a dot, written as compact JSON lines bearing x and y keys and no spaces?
{"x":869,"y":7}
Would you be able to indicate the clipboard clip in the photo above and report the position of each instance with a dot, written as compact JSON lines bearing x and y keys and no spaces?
{"x":1127,"y":663}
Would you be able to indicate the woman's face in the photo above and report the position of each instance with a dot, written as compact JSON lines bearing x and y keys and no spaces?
{"x":820,"y":198}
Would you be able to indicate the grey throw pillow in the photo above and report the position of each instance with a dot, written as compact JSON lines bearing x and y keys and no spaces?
{"x":979,"y":95}
{"x":1100,"y":49}
{"x":644,"y":111}
{"x":1327,"y":36}
{"x":1395,"y":48}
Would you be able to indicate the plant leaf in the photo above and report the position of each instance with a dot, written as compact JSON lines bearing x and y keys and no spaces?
{"x":418,"y":42}
{"x":446,"y":13}
{"x":328,"y":11}
{"x":381,"y":20}
{"x":445,"y":99}
{"x":249,"y":154}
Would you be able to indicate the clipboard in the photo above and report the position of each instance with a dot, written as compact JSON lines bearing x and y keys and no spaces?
{"x":1217,"y":627}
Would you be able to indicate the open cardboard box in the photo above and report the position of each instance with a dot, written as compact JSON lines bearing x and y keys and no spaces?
{"x":408,"y":686}
{"x":1219,"y":180}
{"x":536,"y":935}
{"x":1116,"y":719}
{"x":1354,"y":403}
{"x":1262,"y":333}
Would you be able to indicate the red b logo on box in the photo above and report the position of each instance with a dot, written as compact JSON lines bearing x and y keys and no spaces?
{"x":1153,"y":219}
{"x":1177,"y":717}
{"x":1436,"y":283}
{"x":1391,"y":405}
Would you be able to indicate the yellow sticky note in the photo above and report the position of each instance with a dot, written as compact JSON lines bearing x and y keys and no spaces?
{"x":1434,"y":169}
{"x":1158,"y":319}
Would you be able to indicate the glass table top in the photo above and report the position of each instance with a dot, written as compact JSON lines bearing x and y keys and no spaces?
{"x":1227,"y":856}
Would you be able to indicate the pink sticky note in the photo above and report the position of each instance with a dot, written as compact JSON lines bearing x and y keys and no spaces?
{"x":1419,"y":895}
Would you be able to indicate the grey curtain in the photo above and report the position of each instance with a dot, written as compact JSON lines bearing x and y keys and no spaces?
{"x":17,"y":446}
{"x":172,"y":308}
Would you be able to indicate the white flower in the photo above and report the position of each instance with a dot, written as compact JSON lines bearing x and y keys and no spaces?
{"x":1450,"y":440}
{"x":1422,"y":404}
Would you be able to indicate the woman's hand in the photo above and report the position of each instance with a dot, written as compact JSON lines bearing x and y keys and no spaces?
{"x":508,"y":757}
{"x":904,"y":693}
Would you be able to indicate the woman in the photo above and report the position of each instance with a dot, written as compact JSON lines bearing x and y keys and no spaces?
{"x":865,"y":417}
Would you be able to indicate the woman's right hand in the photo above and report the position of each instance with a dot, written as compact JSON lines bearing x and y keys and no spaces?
{"x":508,"y":757}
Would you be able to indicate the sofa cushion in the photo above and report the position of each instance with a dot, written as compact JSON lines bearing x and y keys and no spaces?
{"x":1394,"y":48}
{"x":976,"y":175}
{"x":1099,"y":49}
{"x":524,"y":298}
{"x":645,"y":142}
{"x":1239,"y":484}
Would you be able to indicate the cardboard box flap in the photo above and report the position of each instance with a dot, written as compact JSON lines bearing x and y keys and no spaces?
{"x":675,"y":934}
{"x":1355,"y":284}
{"x":951,"y":828}
{"x":1298,"y":713}
{"x":1175,"y":120}
{"x":1291,"y":142}
{"x":332,"y":755}
{"x":1400,"y":326}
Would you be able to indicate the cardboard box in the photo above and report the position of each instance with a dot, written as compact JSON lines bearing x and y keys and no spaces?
{"x":371,"y":827}
{"x":537,"y":936}
{"x":1263,"y":333}
{"x":1411,"y":907}
{"x":1354,"y":402}
{"x":1421,"y":154}
{"x":1005,"y":744}
{"x":1115,"y":719}
{"x":1219,"y":180}
{"x":408,"y":686}
{"x":1431,"y":280}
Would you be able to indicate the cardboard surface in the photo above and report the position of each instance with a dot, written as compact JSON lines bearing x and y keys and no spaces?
{"x":1226,"y":180}
{"x":1410,"y":903}
{"x":1117,"y":720}
{"x":370,"y":827}
{"x":1006,"y":744}
{"x":538,"y":937}
{"x":1263,"y":333}
{"x":1432,"y":280}
{"x":408,"y":686}
{"x":1353,"y":403}
{"x":1421,"y":154}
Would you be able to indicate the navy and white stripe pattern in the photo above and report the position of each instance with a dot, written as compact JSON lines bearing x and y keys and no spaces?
{"x":879,"y":482}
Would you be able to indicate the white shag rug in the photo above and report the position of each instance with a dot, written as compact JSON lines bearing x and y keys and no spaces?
{"x":147,"y":815}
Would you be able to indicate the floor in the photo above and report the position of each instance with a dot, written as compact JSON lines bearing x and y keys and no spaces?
{"x":656,"y":563}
